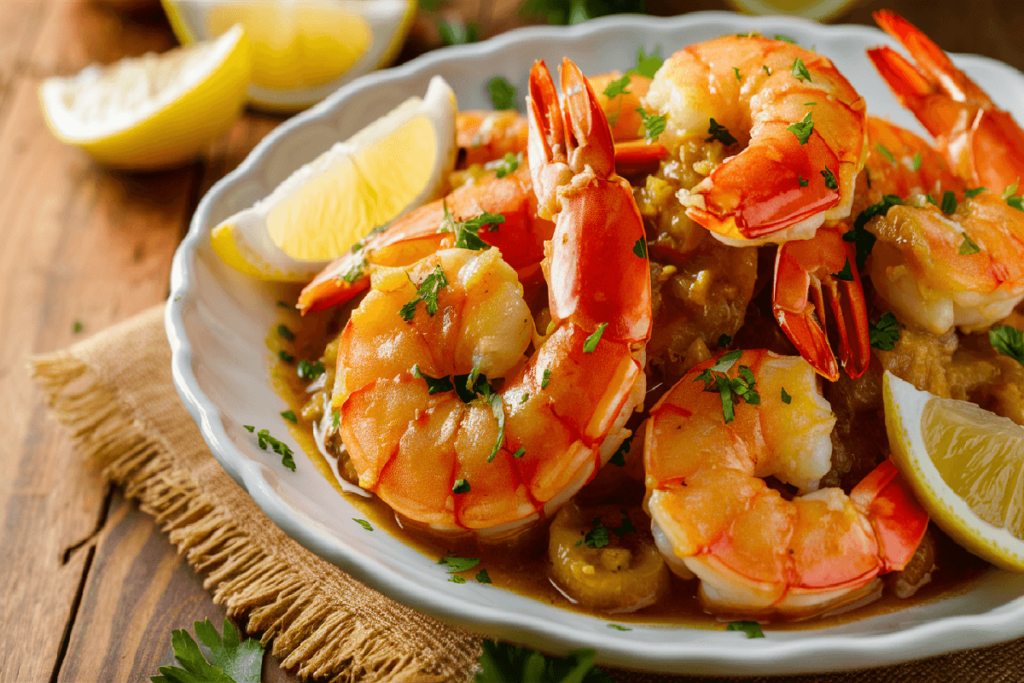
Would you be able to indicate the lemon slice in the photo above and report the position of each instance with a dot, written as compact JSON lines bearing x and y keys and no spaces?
{"x":966,"y":466}
{"x":153,"y":111}
{"x":395,"y":164}
{"x":818,"y":10}
{"x":302,"y":49}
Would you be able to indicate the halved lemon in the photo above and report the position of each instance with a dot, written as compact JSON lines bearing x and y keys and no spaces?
{"x":154,"y":111}
{"x":966,"y":466}
{"x":395,"y":164}
{"x":302,"y":49}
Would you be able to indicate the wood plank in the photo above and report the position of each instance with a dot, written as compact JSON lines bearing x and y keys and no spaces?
{"x":76,"y":243}
{"x":19,"y":25}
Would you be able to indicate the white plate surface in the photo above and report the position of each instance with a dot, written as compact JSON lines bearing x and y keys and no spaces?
{"x":218,"y":320}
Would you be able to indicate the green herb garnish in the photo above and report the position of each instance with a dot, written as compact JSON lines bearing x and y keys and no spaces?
{"x":483,"y":577}
{"x":654,"y":125}
{"x":503,"y":93}
{"x":1010,"y":195}
{"x":734,"y":390}
{"x":968,"y":246}
{"x":863,"y":239}
{"x":1008,"y":341}
{"x":285,"y":356}
{"x":77,"y":327}
{"x":545,"y":379}
{"x":786,"y":398}
{"x":974,"y":192}
{"x":803,"y":129}
{"x":751,"y":628}
{"x":435,"y":385}
{"x":800,"y":71}
{"x":597,"y":537}
{"x":501,"y":663}
{"x":290,"y":416}
{"x":617,"y":87}
{"x":427,"y":293}
{"x":284,"y":333}
{"x":724,"y":341}
{"x":461,"y":486}
{"x":640,"y":248}
{"x":830,"y":179}
{"x":509,"y":164}
{"x":720,"y":133}
{"x":846,"y":274}
{"x":457,"y":564}
{"x":227,"y":660}
{"x":619,"y":627}
{"x":885,"y":151}
{"x":884,"y":333}
{"x":264,"y":440}
{"x":647,"y":64}
{"x":310,"y":370}
{"x":619,"y":456}
{"x":948,"y":202}
{"x":363,"y":523}
{"x":591,"y":343}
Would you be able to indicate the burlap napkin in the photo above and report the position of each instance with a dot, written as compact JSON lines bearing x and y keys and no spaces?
{"x":115,"y":392}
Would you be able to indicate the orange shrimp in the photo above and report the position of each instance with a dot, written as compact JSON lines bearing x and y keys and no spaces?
{"x":756,"y":551}
{"x":430,"y":425}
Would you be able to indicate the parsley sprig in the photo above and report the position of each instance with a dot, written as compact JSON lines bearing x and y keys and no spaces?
{"x":502,"y":663}
{"x":229,"y":660}
{"x":1008,"y":341}
{"x":427,"y":293}
{"x":733,"y":390}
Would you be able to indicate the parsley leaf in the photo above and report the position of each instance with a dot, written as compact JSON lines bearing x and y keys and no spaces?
{"x":520,"y":452}
{"x":724,"y":341}
{"x":885,"y":151}
{"x":77,"y":327}
{"x":803,"y":129}
{"x":884,"y":333}
{"x":502,"y":663}
{"x":503,"y":93}
{"x":1010,"y":195}
{"x":435,"y":385}
{"x":264,"y":439}
{"x":427,"y":292}
{"x":640,"y":248}
{"x":917,"y":161}
{"x":720,"y":133}
{"x":363,"y":523}
{"x":457,"y":564}
{"x":785,"y":39}
{"x":467,"y":233}
{"x":948,"y":202}
{"x":830,"y":179}
{"x":309,"y":371}
{"x":800,"y":179}
{"x":863,"y":239}
{"x":786,"y":398}
{"x":731,"y":390}
{"x":290,"y":416}
{"x":626,"y":526}
{"x":619,"y":456}
{"x":751,"y":628}
{"x":654,"y":125}
{"x":617,"y":87}
{"x":1008,"y":341}
{"x":800,"y":71}
{"x":508,"y":165}
{"x":647,"y":64}
{"x":483,"y":577}
{"x":284,"y":333}
{"x":457,"y":579}
{"x":461,"y":486}
{"x":597,"y":537}
{"x":619,"y":627}
{"x":766,"y":69}
{"x":230,"y":659}
{"x":356,"y":272}
{"x":285,"y":356}
{"x":968,"y":246}
{"x":736,"y":71}
{"x":498,"y":410}
{"x":335,"y":418}
{"x":974,"y":192}
{"x":546,"y":379}
{"x":846,"y":275}
{"x":591,"y":343}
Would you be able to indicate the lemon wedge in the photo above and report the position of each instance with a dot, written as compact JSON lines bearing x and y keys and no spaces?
{"x":966,"y":466}
{"x":302,"y":49}
{"x":154,"y":111}
{"x":395,"y":164}
{"x":818,"y":10}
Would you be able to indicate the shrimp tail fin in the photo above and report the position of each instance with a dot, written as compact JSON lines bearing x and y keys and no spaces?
{"x":822,"y":267}
{"x":897,"y":518}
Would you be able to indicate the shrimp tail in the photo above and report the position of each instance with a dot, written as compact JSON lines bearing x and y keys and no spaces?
{"x":816,"y":269}
{"x":897,"y":518}
{"x":598,"y":273}
{"x":982,"y":142}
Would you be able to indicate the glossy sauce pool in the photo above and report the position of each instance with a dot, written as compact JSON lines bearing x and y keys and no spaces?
{"x":524,"y":568}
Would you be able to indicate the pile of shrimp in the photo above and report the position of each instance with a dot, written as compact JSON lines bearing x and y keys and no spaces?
{"x":591,"y":316}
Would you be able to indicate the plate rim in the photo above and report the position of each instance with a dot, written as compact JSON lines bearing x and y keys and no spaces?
{"x":799,"y":655}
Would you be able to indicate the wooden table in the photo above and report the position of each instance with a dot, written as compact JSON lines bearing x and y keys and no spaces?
{"x":90,"y":588}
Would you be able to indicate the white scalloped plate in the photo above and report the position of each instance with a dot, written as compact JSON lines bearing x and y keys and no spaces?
{"x":218,"y":321}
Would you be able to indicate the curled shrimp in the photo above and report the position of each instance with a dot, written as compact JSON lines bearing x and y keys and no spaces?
{"x":755,"y":550}
{"x":948,"y":254}
{"x":443,"y":414}
{"x":791,"y":126}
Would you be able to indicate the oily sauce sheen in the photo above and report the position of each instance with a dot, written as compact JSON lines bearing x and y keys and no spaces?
{"x":523,"y":567}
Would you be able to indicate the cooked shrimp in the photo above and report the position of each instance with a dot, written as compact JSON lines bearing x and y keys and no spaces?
{"x":956,"y":260}
{"x":791,"y":123}
{"x":756,"y":551}
{"x":429,"y":424}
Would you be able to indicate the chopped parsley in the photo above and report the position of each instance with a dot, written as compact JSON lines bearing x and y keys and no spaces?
{"x":654,"y":125}
{"x":467,"y":233}
{"x":597,"y":537}
{"x":619,"y":627}
{"x":800,"y":179}
{"x":618,"y":87}
{"x":264,"y":439}
{"x":284,"y":304}
{"x":948,"y":202}
{"x":546,"y":379}
{"x":461,"y":486}
{"x":786,"y":398}
{"x":734,"y":390}
{"x":830,"y":179}
{"x":483,"y":577}
{"x":917,"y":161}
{"x":640,"y":248}
{"x":1011,"y":197}
{"x":520,"y":452}
{"x":885,"y":151}
{"x":884,"y":333}
{"x":284,"y":333}
{"x":427,"y":293}
{"x":931,"y":199}
{"x":1008,"y":341}
{"x":800,"y":71}
{"x":974,"y":192}
{"x":591,"y":343}
{"x":509,"y":164}
{"x":457,"y":564}
{"x":720,"y":133}
{"x":498,"y":410}
{"x":363,"y":523}
{"x":249,"y":428}
{"x":968,"y":246}
{"x":290,"y":416}
{"x":457,"y":579}
{"x":724,"y":341}
{"x":435,"y":385}
{"x":647,"y":65}
{"x":619,"y":456}
{"x":803,"y":129}
{"x":285,"y":356}
{"x":736,"y":71}
{"x":335,"y":418}
{"x":846,"y":274}
{"x":309,"y":371}
{"x":863,"y":239}
{"x":77,"y":327}
{"x":524,"y":399}
{"x":785,"y":39}
{"x":356,"y":272}
{"x":503,"y":93}
{"x":766,"y":69}
{"x":751,"y":628}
